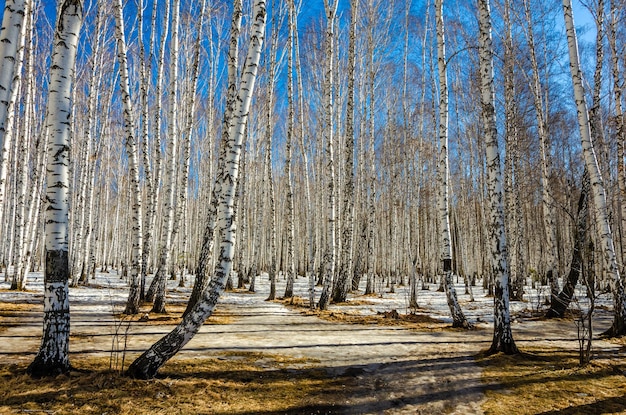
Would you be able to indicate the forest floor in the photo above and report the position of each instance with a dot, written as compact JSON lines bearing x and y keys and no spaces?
{"x":369,"y":355}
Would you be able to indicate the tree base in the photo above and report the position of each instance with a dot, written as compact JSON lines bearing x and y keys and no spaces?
{"x":40,"y":368}
{"x":464,"y":324}
{"x":506,"y":348}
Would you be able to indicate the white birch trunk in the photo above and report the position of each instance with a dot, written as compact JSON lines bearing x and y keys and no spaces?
{"x":291,"y":265}
{"x":132,"y":305}
{"x":502,"y":335}
{"x":53,"y":355}
{"x":458,"y":318}
{"x":620,"y":131}
{"x":331,"y":254}
{"x":170,"y":190}
{"x":597,"y":184}
{"x":201,"y":282}
{"x":10,"y":38}
{"x":344,"y":280}
{"x":24,"y":146}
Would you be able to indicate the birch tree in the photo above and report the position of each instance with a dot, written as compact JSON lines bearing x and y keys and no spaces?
{"x":502,"y":335}
{"x":201,"y":282}
{"x":597,"y":184}
{"x":170,"y":190}
{"x":330,"y":255}
{"x":147,"y":365}
{"x":344,"y":280}
{"x":10,"y":37}
{"x":458,"y":318}
{"x":620,"y":131}
{"x":53,"y":355}
{"x":291,"y":265}
{"x":132,"y":305}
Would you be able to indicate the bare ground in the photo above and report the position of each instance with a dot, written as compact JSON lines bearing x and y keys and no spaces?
{"x":391,"y":369}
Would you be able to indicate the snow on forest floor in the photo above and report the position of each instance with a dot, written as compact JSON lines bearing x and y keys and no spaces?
{"x":383,"y":368}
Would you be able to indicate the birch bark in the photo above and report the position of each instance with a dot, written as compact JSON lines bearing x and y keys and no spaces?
{"x":331,"y":254}
{"x":458,"y":318}
{"x":597,"y":183}
{"x":132,"y":305}
{"x":170,"y":190}
{"x":502,"y":335}
{"x":12,"y":28}
{"x":53,"y":355}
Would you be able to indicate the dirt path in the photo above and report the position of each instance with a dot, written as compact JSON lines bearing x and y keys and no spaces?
{"x":390,"y":370}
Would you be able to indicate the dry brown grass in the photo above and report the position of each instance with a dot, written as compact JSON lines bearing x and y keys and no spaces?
{"x":173,"y":316}
{"x":550,"y":381}
{"x":233,"y":383}
{"x":416,"y":321}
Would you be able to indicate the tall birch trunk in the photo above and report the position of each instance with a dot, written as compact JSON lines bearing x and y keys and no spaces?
{"x":165,"y":256}
{"x":291,"y":265}
{"x":53,"y":355}
{"x":19,"y":273}
{"x":201,"y":282}
{"x":147,"y":365}
{"x":344,"y":280}
{"x":597,"y":184}
{"x":502,"y":335}
{"x":132,"y":305}
{"x":458,"y":318}
{"x":331,"y":254}
{"x":10,"y":38}
{"x":151,"y":214}
{"x":620,"y":131}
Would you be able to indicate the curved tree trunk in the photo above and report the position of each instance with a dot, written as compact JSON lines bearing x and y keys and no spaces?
{"x":147,"y":365}
{"x":563,"y":299}
{"x":201,"y":282}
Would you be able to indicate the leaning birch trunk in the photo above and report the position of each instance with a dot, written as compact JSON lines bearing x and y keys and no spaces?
{"x":330,"y":256}
{"x":147,"y":365}
{"x":165,"y":256}
{"x":564,"y":298}
{"x":201,"y":282}
{"x":597,"y":184}
{"x":12,"y":27}
{"x":547,"y":201}
{"x":344,"y":280}
{"x":132,"y":305}
{"x":502,"y":335}
{"x":458,"y":318}
{"x":53,"y":355}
